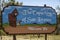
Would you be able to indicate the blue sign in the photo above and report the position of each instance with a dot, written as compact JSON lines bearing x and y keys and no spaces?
{"x":31,"y":14}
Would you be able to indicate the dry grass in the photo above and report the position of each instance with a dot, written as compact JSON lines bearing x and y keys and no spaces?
{"x":31,"y":37}
{"x":53,"y":37}
{"x":35,"y":37}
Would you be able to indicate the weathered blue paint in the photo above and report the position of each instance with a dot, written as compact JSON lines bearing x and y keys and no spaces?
{"x":31,"y":14}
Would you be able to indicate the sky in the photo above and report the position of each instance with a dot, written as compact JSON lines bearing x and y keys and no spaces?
{"x":52,"y":3}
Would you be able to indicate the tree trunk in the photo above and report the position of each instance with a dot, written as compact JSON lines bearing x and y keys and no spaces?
{"x":0,"y":20}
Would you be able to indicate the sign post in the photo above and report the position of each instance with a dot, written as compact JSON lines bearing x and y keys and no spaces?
{"x":45,"y":36}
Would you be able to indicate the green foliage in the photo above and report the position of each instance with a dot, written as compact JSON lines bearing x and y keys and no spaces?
{"x":59,"y":18}
{"x":5,"y":24}
{"x":39,"y":25}
{"x":17,"y":3}
{"x":2,"y":32}
{"x":12,"y":0}
{"x":58,"y":11}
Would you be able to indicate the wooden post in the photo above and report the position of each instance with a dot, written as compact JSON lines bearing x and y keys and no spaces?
{"x":38,"y":35}
{"x":14,"y":37}
{"x":45,"y":36}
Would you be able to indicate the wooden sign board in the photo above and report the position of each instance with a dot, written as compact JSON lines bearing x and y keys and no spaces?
{"x":29,"y":19}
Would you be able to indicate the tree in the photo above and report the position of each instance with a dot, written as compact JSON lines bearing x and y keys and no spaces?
{"x":58,"y":8}
{"x":21,"y":4}
{"x":12,"y":2}
{"x":17,"y":3}
{"x":58,"y":11}
{"x":58,"y":19}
